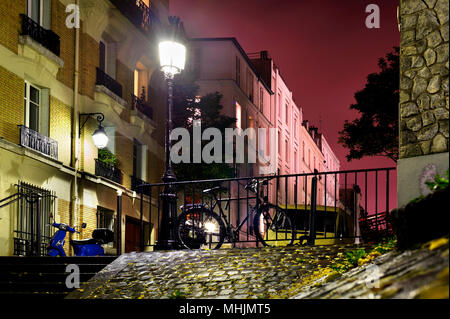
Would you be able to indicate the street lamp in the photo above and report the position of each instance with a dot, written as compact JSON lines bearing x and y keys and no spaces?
{"x":99,"y":136}
{"x":172,"y":58}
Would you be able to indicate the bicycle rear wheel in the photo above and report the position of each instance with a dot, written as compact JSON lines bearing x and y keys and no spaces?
{"x":273,"y":227}
{"x":200,"y":228}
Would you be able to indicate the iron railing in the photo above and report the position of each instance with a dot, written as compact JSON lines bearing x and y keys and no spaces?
{"x":142,"y":106}
{"x":344,"y":201}
{"x":38,"y":142}
{"x":136,"y":182}
{"x":49,"y":39}
{"x":108,"y":171}
{"x":141,"y":15}
{"x":33,"y":232}
{"x":108,"y":82}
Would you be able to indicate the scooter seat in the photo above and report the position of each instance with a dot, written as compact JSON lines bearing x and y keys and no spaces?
{"x":84,"y":241}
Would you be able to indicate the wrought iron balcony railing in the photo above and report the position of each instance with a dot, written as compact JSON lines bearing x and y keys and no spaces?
{"x":142,"y":16}
{"x":136,"y":181}
{"x":142,"y":106}
{"x":48,"y":38}
{"x":108,"y":82}
{"x":38,"y":142}
{"x":108,"y":171}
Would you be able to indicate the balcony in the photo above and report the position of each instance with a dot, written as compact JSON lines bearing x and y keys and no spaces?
{"x":38,"y":142}
{"x":142,"y":106}
{"x":138,"y":13}
{"x":136,"y":181}
{"x":47,"y":38}
{"x":108,"y":82}
{"x":108,"y":171}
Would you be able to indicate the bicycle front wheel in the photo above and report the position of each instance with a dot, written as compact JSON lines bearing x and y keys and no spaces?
{"x":200,"y":228}
{"x":273,"y":227}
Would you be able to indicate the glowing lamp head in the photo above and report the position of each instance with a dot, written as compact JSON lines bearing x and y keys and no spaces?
{"x":210,"y":227}
{"x":172,"y":57}
{"x":100,"y":138}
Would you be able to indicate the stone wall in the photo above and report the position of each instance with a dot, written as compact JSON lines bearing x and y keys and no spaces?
{"x":424,"y":95}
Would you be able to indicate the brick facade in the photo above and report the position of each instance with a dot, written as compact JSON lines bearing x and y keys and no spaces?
{"x":10,"y":23}
{"x":11,"y":105}
{"x":60,"y":128}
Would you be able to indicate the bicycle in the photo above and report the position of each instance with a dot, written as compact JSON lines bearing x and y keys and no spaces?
{"x":199,"y":226}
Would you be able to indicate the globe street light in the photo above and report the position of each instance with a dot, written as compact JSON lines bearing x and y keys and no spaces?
{"x":99,"y":136}
{"x":172,"y":58}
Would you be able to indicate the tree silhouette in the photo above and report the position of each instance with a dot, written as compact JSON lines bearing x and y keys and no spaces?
{"x":375,"y":132}
{"x":189,"y":106}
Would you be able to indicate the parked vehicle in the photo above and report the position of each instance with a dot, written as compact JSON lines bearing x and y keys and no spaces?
{"x":199,"y":226}
{"x":84,"y":247}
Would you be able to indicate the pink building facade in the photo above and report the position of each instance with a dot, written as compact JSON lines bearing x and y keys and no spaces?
{"x":255,"y":92}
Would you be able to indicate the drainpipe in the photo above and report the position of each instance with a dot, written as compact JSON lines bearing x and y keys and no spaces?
{"x":75,"y":129}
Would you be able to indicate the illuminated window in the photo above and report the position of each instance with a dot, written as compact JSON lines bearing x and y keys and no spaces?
{"x":238,"y":116}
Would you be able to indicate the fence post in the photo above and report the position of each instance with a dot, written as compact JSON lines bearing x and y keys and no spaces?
{"x":38,"y":225}
{"x":141,"y":220}
{"x":119,"y":222}
{"x":357,"y":211}
{"x":312,"y":225}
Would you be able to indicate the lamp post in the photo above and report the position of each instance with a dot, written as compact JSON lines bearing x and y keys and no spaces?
{"x":99,"y":136}
{"x":172,"y":55}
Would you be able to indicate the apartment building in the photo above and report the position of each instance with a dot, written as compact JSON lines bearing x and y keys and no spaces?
{"x":54,"y":80}
{"x":221,"y":65}
{"x":300,"y":146}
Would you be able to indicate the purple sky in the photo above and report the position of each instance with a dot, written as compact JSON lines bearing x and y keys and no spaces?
{"x":322,"y":47}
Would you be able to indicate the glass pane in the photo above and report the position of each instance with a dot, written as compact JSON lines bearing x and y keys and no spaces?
{"x":25,"y":89}
{"x":34,"y":117}
{"x":34,"y":95}
{"x":36,"y":10}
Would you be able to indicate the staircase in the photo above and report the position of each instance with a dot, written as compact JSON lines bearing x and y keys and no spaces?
{"x":45,"y":277}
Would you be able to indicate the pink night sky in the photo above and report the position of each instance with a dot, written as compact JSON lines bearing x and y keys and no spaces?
{"x":322,"y":47}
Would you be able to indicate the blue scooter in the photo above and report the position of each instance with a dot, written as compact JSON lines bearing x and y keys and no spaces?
{"x":85,"y":247}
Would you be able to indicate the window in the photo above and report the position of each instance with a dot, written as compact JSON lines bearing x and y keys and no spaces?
{"x":286,"y":114}
{"x":238,"y":116}
{"x":141,"y":85}
{"x":250,"y":85}
{"x":286,"y":150}
{"x":303,"y":151}
{"x":261,"y":99}
{"x":27,"y":222}
{"x":279,"y":105}
{"x":40,"y":12}
{"x":139,"y":160}
{"x":238,"y":71}
{"x":105,"y":218}
{"x":295,"y":161}
{"x":279,"y":143}
{"x":309,"y":158}
{"x":295,"y":128}
{"x":32,"y":102}
{"x":107,"y":56}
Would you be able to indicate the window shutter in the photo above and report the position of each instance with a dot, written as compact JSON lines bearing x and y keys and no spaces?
{"x":44,"y":113}
{"x":46,"y":14}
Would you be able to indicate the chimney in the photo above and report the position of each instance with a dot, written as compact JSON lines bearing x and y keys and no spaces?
{"x":264,"y":55}
{"x":305,"y":123}
{"x":312,"y":132}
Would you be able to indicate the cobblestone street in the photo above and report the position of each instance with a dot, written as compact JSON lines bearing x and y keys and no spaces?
{"x":228,"y":273}
{"x":272,"y":273}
